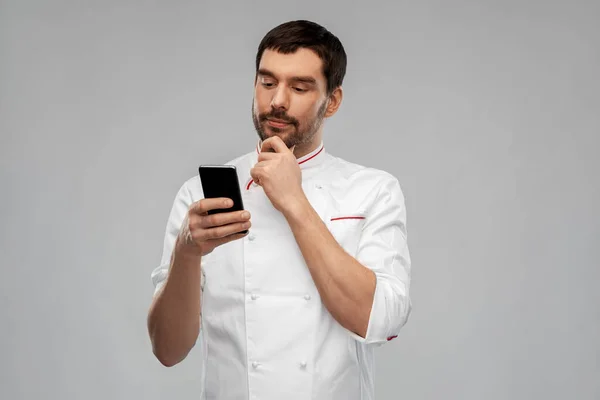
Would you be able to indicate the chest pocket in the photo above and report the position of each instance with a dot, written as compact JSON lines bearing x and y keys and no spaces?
{"x":347,"y":228}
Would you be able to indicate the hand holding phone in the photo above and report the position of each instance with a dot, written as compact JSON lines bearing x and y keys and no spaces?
{"x":219,"y":217}
{"x":209,"y":224}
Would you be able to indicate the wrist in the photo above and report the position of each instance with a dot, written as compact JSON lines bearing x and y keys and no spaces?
{"x":297,"y":209}
{"x":187,"y":250}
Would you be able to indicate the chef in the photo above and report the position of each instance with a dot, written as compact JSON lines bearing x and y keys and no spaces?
{"x":294,"y":308}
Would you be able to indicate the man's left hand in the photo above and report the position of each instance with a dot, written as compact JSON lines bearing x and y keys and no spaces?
{"x":279,"y":174}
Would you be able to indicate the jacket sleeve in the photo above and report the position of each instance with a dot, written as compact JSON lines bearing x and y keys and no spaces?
{"x":383,"y":248}
{"x":179,"y":209}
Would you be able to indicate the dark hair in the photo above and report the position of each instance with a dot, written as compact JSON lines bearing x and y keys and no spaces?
{"x":290,"y":36}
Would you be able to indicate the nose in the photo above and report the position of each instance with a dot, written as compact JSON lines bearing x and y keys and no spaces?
{"x":280,"y":98}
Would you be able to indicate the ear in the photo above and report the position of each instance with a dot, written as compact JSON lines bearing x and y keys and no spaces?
{"x":335,"y":100}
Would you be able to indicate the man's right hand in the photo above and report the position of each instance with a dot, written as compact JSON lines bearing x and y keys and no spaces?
{"x":173,"y":321}
{"x":201,"y":233}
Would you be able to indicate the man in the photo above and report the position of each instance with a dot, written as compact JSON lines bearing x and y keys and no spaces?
{"x":294,"y":308}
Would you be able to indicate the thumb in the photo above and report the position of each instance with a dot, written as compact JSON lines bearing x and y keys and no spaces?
{"x":255,"y":174}
{"x":292,"y":148}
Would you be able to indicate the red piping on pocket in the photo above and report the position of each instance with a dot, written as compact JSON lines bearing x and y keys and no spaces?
{"x":348,"y":217}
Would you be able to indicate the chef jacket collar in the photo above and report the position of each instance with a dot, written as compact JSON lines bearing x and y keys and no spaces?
{"x":312,"y":159}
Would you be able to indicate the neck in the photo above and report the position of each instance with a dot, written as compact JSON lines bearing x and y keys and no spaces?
{"x":302,"y":150}
{"x":305,"y":148}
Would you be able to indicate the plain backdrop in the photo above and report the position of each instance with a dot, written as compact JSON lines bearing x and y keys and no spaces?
{"x":488,"y":112}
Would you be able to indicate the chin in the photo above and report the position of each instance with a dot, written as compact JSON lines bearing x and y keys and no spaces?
{"x":270,"y":131}
{"x":287,"y":135}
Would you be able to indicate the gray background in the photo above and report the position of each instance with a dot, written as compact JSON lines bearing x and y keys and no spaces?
{"x":487,"y":112}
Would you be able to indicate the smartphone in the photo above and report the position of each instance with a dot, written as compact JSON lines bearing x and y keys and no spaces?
{"x":221,"y":181}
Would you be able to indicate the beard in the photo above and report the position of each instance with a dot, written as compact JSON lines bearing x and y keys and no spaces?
{"x":295,"y":133}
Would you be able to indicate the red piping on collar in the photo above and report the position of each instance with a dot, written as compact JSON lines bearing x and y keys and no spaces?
{"x":313,"y":156}
{"x":301,"y":162}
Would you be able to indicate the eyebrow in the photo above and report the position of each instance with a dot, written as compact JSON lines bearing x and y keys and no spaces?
{"x":302,"y":79}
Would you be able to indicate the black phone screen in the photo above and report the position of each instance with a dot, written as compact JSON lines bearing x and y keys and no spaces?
{"x":221,"y":181}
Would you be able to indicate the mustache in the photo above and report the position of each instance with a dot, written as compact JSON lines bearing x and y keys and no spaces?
{"x":281,"y":115}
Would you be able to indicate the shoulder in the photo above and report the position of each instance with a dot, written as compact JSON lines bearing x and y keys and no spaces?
{"x":358,"y":179}
{"x":356,"y":189}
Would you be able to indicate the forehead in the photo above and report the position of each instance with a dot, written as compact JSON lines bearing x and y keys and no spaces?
{"x":304,"y":62}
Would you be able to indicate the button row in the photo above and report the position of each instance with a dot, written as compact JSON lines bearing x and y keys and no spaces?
{"x":302,"y":364}
{"x":254,"y":296}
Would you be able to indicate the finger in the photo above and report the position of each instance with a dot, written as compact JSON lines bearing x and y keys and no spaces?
{"x":220,"y":219}
{"x":204,"y":205}
{"x":274,"y":143}
{"x":227,"y":239}
{"x":262,"y":164}
{"x":266,"y":156}
{"x":257,"y":173}
{"x":222,"y":231}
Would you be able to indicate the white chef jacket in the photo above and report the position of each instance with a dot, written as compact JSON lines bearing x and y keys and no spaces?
{"x":265,"y":334}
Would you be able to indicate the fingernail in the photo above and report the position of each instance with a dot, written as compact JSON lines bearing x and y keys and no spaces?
{"x":245,"y":214}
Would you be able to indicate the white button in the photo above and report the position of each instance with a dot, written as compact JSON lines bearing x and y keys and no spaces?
{"x":303,"y":364}
{"x":307,"y":296}
{"x":253,"y":296}
{"x":254,"y":364}
{"x":251,"y":237}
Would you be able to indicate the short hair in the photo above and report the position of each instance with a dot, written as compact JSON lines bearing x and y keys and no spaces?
{"x":288,"y":37}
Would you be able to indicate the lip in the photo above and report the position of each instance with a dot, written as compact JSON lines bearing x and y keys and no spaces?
{"x":277,"y":123}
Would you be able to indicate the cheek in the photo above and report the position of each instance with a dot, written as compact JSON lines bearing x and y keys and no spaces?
{"x":312,"y":108}
{"x":262,"y":100}
{"x":303,"y":108}
{"x":306,"y":116}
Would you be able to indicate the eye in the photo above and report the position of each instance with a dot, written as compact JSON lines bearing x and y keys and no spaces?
{"x":299,"y":90}
{"x":268,"y":84}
